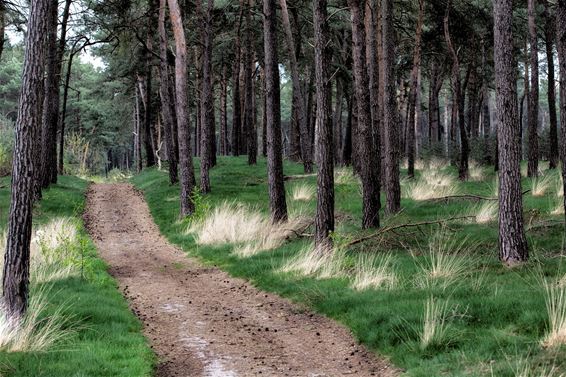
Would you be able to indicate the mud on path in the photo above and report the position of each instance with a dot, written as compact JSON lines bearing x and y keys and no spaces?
{"x":202,"y":322}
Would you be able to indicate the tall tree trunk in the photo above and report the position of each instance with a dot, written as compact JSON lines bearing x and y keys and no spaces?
{"x":347,"y":142}
{"x":137,"y":142}
{"x":299,"y":102}
{"x":224,"y":111}
{"x":459,"y":100}
{"x":366,"y":147}
{"x":413,"y":94}
{"x":17,"y":255}
{"x":148,"y":117}
{"x":236,"y":104}
{"x":512,"y":240}
{"x":276,"y":185}
{"x":532,"y":105}
{"x":164,"y":88}
{"x":433,"y":104}
{"x":561,"y":48}
{"x":324,"y":220}
{"x":263,"y":114}
{"x":3,"y":24}
{"x":248,"y":124}
{"x":182,"y":109}
{"x":337,"y":120}
{"x":549,"y":33}
{"x":207,"y":101}
{"x":390,"y":117}
{"x":50,"y":102}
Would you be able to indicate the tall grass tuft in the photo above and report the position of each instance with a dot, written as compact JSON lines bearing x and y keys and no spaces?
{"x":485,"y":212}
{"x":320,"y":262}
{"x":435,"y":329}
{"x":423,"y":190}
{"x":541,"y":184}
{"x":447,"y":260}
{"x":374,"y":271}
{"x":555,"y":298}
{"x":477,"y":171}
{"x":302,"y":192}
{"x":249,"y":230}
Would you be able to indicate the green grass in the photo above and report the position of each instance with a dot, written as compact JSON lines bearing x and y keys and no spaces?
{"x":108,"y":339}
{"x":491,"y":327}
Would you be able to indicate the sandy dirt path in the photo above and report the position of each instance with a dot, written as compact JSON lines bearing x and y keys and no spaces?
{"x":202,"y":322}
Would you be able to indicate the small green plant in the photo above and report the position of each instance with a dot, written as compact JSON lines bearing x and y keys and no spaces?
{"x":202,"y":206}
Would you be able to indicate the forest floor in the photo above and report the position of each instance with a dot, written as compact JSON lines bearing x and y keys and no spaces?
{"x":201,"y":321}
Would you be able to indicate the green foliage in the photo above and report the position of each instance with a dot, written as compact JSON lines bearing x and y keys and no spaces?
{"x":495,"y":316}
{"x":6,"y":147}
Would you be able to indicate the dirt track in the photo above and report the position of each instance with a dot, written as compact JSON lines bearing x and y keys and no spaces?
{"x":202,"y":322}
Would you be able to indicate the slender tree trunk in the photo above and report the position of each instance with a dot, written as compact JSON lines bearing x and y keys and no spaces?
{"x":248,"y":124}
{"x":561,"y":48}
{"x":263,"y":114}
{"x":434,"y":104}
{"x":3,"y":25}
{"x":182,"y":109}
{"x":164,"y":88}
{"x":549,"y":33}
{"x":207,"y":101}
{"x":337,"y":120}
{"x":236,"y":104}
{"x":367,"y":154}
{"x":413,"y":94}
{"x":390,"y":117}
{"x":17,"y":256}
{"x":324,"y":220}
{"x":299,"y":102}
{"x":137,"y":142}
{"x":347,"y":142}
{"x":224,"y":111}
{"x":459,"y":101}
{"x":277,"y":203}
{"x":532,"y":106}
{"x":512,"y":241}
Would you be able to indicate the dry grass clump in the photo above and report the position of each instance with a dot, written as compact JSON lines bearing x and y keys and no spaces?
{"x":435,"y":329}
{"x":345,"y":176}
{"x":35,"y":332}
{"x":374,"y":271}
{"x":322,"y":262}
{"x":447,"y":260}
{"x":232,"y":223}
{"x":559,"y":186}
{"x":558,"y":208}
{"x":302,"y":192}
{"x":437,"y":163}
{"x":477,"y":171}
{"x":555,"y":298}
{"x":422,"y":190}
{"x":438,"y":178}
{"x":540,"y":185}
{"x":485,"y":212}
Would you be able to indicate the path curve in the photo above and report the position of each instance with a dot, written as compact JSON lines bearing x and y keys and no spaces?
{"x":202,"y":322}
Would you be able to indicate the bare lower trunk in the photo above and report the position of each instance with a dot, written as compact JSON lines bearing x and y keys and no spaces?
{"x":512,"y":240}
{"x":182,"y":108}
{"x":207,"y":102}
{"x":561,"y":48}
{"x":17,"y":255}
{"x":549,"y":33}
{"x":532,"y":108}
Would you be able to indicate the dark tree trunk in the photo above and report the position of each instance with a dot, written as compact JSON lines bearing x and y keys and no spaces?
{"x":324,"y":220}
{"x":182,"y":108}
{"x":390,"y":117}
{"x":512,"y":241}
{"x":337,"y":120}
{"x":549,"y":33}
{"x":277,"y":203}
{"x":434,"y":104}
{"x":164,"y":88}
{"x":366,"y":148}
{"x":561,"y":48}
{"x":532,"y":105}
{"x":263,"y":114}
{"x":236,"y":100}
{"x":299,"y":103}
{"x":459,"y":101}
{"x":347,"y":142}
{"x":3,"y":25}
{"x":50,"y":103}
{"x":413,"y":93}
{"x":223,"y":111}
{"x":148,"y":137}
{"x":17,"y":256}
{"x":248,"y":124}
{"x":207,"y":101}
{"x":137,"y":134}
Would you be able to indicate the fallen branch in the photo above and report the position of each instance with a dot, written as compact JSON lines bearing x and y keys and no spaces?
{"x":300,"y":176}
{"x":543,"y":225}
{"x":400,"y":226}
{"x":467,"y":197}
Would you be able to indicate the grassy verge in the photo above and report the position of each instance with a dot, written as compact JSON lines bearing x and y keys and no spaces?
{"x":106,"y":337}
{"x":486,"y":320}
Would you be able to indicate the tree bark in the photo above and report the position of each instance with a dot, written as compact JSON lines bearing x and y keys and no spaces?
{"x":561,"y":48}
{"x":549,"y":33}
{"x":299,"y":102}
{"x":413,"y":94}
{"x":435,"y":86}
{"x":512,"y":241}
{"x":17,"y":256}
{"x":223,"y":110}
{"x":182,"y":109}
{"x":366,"y":147}
{"x":390,"y":116}
{"x":459,"y":100}
{"x":164,"y":88}
{"x":277,"y":203}
{"x":533,"y":96}
{"x":236,"y":104}
{"x":207,"y":101}
{"x":324,"y":220}
{"x":248,"y":125}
